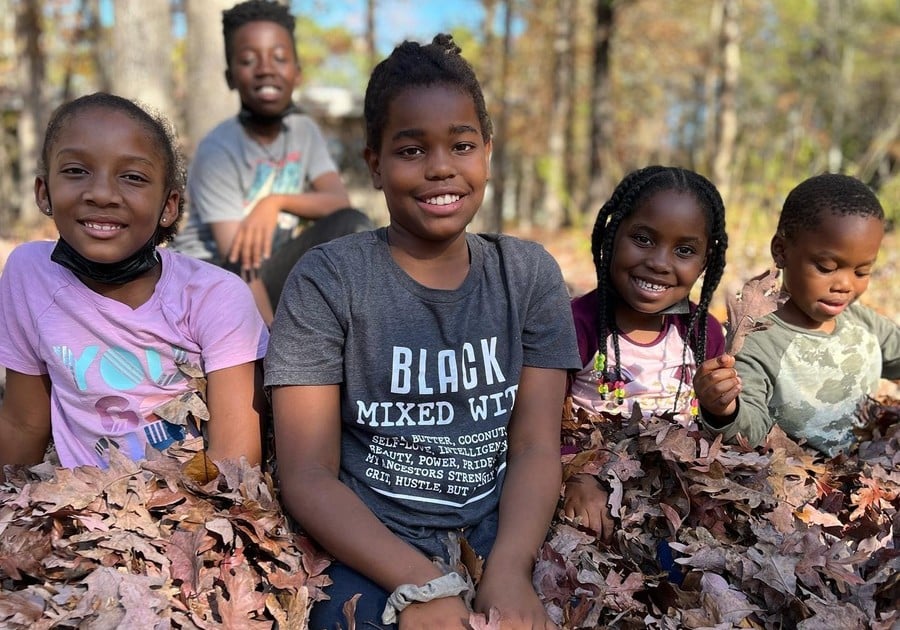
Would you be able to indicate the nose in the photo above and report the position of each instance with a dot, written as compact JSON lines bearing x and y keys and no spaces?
{"x":440,"y":165}
{"x":265,"y":66}
{"x":658,"y":260}
{"x":103,"y":190}
{"x":842,"y":281}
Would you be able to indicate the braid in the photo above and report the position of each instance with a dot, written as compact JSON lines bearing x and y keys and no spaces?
{"x":620,"y":205}
{"x":631,"y":191}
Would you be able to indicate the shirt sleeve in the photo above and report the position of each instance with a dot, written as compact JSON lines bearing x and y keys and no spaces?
{"x":19,"y":342}
{"x":320,"y":160}
{"x":229,"y":328}
{"x":715,"y":337}
{"x":309,"y":331}
{"x":754,"y":364}
{"x":214,"y":184}
{"x":888,"y":334}
{"x":548,"y":338}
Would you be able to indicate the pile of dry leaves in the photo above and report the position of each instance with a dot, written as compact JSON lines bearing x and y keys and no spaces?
{"x":716,"y":536}
{"x":149,"y":545}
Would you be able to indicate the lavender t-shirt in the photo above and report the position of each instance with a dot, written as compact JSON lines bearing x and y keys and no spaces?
{"x":110,"y":365}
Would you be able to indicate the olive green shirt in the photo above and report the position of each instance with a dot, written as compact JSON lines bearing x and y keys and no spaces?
{"x":812,"y":383}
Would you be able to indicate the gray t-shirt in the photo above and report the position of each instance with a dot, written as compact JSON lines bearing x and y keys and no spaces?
{"x":428,"y":377}
{"x":811,"y":383}
{"x":231,"y":172}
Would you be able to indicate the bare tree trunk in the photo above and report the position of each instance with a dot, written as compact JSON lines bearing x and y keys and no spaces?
{"x":711,"y":79}
{"x":9,"y":193}
{"x":492,"y":214}
{"x":553,"y":202}
{"x":838,"y":51}
{"x":32,"y":119}
{"x":208,"y":100}
{"x":577,"y":157}
{"x":142,"y":53}
{"x":371,"y":51}
{"x":601,"y":106}
{"x":726,"y":122}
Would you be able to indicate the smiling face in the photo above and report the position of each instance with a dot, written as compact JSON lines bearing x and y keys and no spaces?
{"x":106,"y":185}
{"x":433,"y":165}
{"x":263,"y":67}
{"x":826,"y":268}
{"x":658,"y":254}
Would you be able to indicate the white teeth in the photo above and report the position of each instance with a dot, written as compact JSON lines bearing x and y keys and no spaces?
{"x":442,"y":200}
{"x":648,"y":286}
{"x":268,"y":90}
{"x":103,"y":227}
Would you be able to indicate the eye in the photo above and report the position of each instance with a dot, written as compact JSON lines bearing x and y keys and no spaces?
{"x":136,"y":178}
{"x":464,"y":147}
{"x":821,"y":268}
{"x":863,"y":273}
{"x":72,"y":170}
{"x":685,"y":251}
{"x":410,"y":151}
{"x":642,"y":240}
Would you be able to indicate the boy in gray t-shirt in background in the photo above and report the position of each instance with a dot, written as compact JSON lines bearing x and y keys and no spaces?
{"x":262,"y":186}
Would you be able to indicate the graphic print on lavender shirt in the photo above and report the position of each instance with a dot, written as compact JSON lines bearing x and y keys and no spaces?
{"x":128,"y":421}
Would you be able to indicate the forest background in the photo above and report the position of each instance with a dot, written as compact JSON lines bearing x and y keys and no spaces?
{"x":756,"y":95}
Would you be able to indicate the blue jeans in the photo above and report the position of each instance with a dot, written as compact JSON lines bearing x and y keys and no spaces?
{"x":328,"y":615}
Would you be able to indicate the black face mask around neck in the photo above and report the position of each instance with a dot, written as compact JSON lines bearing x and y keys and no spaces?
{"x":139,"y":263}
{"x":249,"y":117}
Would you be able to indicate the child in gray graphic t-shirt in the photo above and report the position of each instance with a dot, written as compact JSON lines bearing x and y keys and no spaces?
{"x":418,"y":371}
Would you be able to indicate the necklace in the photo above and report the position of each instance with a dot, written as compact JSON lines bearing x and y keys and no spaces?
{"x":276,"y":163}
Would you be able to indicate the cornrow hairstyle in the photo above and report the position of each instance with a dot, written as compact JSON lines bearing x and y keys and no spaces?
{"x":412,"y":65}
{"x":628,"y":195}
{"x":158,"y":128}
{"x":826,"y":193}
{"x":255,"y":11}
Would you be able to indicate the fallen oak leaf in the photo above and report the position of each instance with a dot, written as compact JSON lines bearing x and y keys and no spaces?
{"x":744,"y":310}
{"x":201,"y":469}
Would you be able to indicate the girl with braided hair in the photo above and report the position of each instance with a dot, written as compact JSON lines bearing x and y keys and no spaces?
{"x":639,"y":336}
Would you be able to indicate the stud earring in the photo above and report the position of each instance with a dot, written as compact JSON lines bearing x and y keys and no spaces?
{"x":47,"y":211}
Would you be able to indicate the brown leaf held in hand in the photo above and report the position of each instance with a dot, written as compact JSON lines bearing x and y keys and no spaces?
{"x":759,"y":297}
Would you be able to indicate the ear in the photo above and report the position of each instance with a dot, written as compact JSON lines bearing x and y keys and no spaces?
{"x":374,"y":164}
{"x":229,"y":78}
{"x":41,"y":194}
{"x":170,"y":209}
{"x":488,"y":151}
{"x":777,"y":248}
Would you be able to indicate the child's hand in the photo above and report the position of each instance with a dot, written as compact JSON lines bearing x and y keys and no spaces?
{"x":253,"y":242}
{"x":446,"y":612}
{"x":513,"y":596}
{"x":717,"y":386}
{"x":586,"y":499}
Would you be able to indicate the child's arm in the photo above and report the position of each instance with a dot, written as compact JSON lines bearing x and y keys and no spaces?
{"x":528,"y":500}
{"x":250,"y":240}
{"x":24,"y":419}
{"x":235,"y":400}
{"x":587,"y":500}
{"x":308,"y":442}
